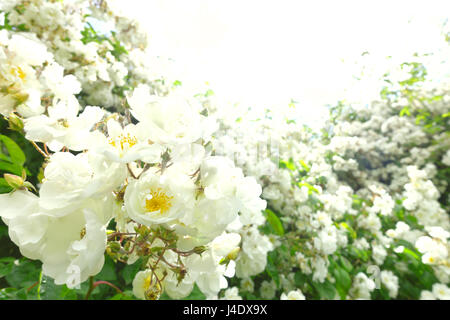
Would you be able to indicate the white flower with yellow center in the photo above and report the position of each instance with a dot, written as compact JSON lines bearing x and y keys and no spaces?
{"x":159,"y":198}
{"x":146,"y":285}
{"x":128,"y":144}
{"x":150,"y":283}
{"x":293,"y":295}
{"x":434,"y":250}
{"x":20,"y":89}
{"x":441,"y":291}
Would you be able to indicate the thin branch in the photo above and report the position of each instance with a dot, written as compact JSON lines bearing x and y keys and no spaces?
{"x":130,"y":171}
{"x":94,"y":285}
{"x":112,"y":235}
{"x":39,"y":149}
{"x":46,"y":150}
{"x":146,"y":167}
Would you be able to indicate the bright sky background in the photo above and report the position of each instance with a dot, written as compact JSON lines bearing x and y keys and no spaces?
{"x":263,"y":53}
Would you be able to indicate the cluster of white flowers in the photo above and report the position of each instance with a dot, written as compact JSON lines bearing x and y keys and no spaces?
{"x":96,"y":42}
{"x":421,"y":198}
{"x":362,"y":286}
{"x":363,"y":191}
{"x":293,"y":295}
{"x":438,"y":292}
{"x":137,"y":169}
{"x":149,"y":174}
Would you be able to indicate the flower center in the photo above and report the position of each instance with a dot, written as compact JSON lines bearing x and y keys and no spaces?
{"x":18,"y":72}
{"x":124,"y":142}
{"x":157,"y":200}
{"x":147,"y":282}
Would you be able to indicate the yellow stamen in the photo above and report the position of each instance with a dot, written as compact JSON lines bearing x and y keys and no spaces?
{"x":131,"y":141}
{"x":159,"y":201}
{"x":147,"y":282}
{"x":18,"y":72}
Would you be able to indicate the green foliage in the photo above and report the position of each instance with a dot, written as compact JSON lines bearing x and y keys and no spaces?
{"x":22,"y":279}
{"x":90,"y":35}
{"x":274,"y":222}
{"x":342,"y":278}
{"x":271,"y":267}
{"x":8,"y":26}
{"x":16,"y":154}
{"x":325,"y":290}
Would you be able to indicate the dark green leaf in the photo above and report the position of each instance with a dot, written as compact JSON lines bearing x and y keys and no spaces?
{"x":15,"y":153}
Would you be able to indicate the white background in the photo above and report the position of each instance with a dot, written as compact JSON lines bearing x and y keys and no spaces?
{"x":263,"y":53}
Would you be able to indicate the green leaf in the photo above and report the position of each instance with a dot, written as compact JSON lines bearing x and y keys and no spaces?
{"x":287,"y":164}
{"x":359,"y":254}
{"x":126,"y":295}
{"x":4,"y":188}
{"x":8,"y":294}
{"x":304,"y":165}
{"x":410,"y":253}
{"x":51,"y":291}
{"x":24,"y":273}
{"x":326,"y":290}
{"x":11,"y":167}
{"x":274,"y":222}
{"x":343,"y":281}
{"x":130,"y":271}
{"x":347,"y":265}
{"x":404,"y":111}
{"x":15,"y":153}
{"x":5,"y":157}
{"x":6,"y":266}
{"x":13,"y":294}
{"x":3,"y":231}
{"x":300,"y":279}
{"x":271,"y":267}
{"x":349,"y":229}
{"x":108,"y":272}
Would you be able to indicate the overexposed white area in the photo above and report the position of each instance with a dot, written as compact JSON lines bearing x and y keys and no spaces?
{"x":264,"y":53}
